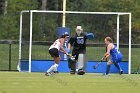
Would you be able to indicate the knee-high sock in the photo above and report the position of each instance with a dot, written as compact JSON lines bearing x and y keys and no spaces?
{"x":107,"y":69}
{"x":118,"y":66}
{"x":71,"y":64}
{"x":53,"y":67}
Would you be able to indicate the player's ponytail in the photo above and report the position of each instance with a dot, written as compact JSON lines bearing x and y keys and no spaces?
{"x":64,"y":35}
{"x":109,"y":39}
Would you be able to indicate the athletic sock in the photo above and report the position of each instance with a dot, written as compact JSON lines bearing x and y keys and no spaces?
{"x":50,"y":69}
{"x":107,"y":69}
{"x":118,"y":66}
{"x":53,"y":67}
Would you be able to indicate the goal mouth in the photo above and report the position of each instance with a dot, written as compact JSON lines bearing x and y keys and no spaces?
{"x":40,"y":25}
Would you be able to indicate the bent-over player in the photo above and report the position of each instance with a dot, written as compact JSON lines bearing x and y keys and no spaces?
{"x":54,"y":52}
{"x":116,"y":56}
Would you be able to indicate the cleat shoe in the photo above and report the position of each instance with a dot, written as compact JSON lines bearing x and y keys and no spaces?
{"x":72,"y":72}
{"x":48,"y":74}
{"x":81,"y":72}
{"x":55,"y":72}
{"x":121,"y":72}
{"x":104,"y":74}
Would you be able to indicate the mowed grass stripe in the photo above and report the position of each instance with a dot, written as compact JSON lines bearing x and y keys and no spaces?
{"x":15,"y":82}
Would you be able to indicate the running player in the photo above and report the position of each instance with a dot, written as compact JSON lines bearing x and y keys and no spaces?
{"x":116,"y":56}
{"x":54,"y":52}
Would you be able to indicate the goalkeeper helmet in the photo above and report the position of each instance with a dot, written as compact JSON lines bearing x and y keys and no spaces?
{"x":79,"y":30}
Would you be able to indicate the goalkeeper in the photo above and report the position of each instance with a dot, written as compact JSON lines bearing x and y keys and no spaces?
{"x":78,"y":41}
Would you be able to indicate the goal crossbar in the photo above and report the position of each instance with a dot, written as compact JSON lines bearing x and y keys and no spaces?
{"x":77,"y":12}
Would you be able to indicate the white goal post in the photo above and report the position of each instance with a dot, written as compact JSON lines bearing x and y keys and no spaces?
{"x":118,"y":14}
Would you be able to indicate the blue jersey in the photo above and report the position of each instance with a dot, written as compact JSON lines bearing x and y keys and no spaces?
{"x":116,"y":54}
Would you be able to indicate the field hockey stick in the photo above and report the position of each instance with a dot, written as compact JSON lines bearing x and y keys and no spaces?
{"x":71,"y":57}
{"x":97,"y":65}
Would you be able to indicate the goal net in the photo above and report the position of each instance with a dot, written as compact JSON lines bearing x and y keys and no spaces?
{"x":38,"y":29}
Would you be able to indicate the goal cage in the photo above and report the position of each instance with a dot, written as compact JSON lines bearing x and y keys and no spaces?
{"x":39,"y":28}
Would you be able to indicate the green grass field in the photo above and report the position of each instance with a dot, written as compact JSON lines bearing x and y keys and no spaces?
{"x":15,"y":82}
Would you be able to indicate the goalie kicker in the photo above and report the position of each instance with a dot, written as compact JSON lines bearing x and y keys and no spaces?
{"x":78,"y":41}
{"x":81,"y":64}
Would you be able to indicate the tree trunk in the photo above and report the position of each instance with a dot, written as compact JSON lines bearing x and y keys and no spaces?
{"x":44,"y":4}
{"x":3,"y":6}
{"x":59,"y":20}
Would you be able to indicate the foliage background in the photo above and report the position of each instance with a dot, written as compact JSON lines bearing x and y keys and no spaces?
{"x":9,"y":23}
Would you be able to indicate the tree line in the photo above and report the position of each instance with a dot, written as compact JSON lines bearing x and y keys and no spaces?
{"x":46,"y":25}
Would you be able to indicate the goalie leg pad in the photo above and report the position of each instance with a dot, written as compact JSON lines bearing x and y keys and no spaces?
{"x":82,"y":61}
{"x":72,"y":64}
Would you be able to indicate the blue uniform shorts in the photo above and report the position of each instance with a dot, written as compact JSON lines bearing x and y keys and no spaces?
{"x":117,"y":59}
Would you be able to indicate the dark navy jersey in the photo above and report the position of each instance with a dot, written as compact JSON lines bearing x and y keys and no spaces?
{"x":78,"y":42}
